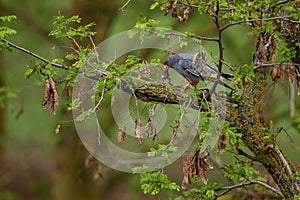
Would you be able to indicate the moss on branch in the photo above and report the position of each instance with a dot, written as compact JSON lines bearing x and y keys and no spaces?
{"x":245,"y":117}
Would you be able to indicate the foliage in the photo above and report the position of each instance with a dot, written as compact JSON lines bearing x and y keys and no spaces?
{"x":64,"y":27}
{"x":240,"y":171}
{"x":205,"y":192}
{"x":163,"y":151}
{"x":6,"y":31}
{"x":244,"y":74}
{"x":145,"y":28}
{"x":260,"y":16}
{"x":5,"y":92}
{"x":152,"y":183}
{"x":296,"y":122}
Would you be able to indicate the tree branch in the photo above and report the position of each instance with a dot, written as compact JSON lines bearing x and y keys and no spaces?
{"x":159,"y":92}
{"x":244,"y":117}
{"x":34,"y":55}
{"x":194,"y":36}
{"x":255,"y":135}
{"x":250,"y":182}
{"x":285,"y":18}
{"x":124,"y":6}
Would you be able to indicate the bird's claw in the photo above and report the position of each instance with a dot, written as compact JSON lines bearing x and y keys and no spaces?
{"x":185,"y":87}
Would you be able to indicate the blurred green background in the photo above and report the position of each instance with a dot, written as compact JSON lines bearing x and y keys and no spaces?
{"x":38,"y":164}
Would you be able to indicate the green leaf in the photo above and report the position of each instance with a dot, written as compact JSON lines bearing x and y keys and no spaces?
{"x":153,"y":6}
{"x":7,"y":18}
{"x":64,"y":27}
{"x":153,"y":182}
{"x":29,"y":72}
{"x":140,"y":169}
{"x":6,"y":31}
{"x":84,"y":115}
{"x":74,"y":104}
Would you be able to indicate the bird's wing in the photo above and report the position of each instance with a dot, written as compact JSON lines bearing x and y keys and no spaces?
{"x":188,"y":66}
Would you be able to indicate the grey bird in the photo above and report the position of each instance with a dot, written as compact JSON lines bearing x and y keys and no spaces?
{"x":194,"y":68}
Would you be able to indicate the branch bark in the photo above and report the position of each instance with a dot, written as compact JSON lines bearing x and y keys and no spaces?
{"x":10,"y":44}
{"x":256,"y":135}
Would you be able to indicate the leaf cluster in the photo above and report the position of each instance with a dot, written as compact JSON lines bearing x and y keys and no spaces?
{"x":203,"y":191}
{"x":4,"y":30}
{"x":153,"y":182}
{"x":163,"y":150}
{"x":64,"y":27}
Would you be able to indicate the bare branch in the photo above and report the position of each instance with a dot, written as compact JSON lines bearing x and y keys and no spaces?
{"x":274,"y":64}
{"x":243,"y":153}
{"x":94,"y":46}
{"x":188,"y":4}
{"x":226,"y":9}
{"x":205,"y":38}
{"x":220,"y":45}
{"x":250,"y":182}
{"x":33,"y":54}
{"x":65,"y":47}
{"x":227,"y":64}
{"x":101,"y":98}
{"x":284,"y":18}
{"x":292,"y":96}
{"x":74,"y":41}
{"x":124,"y":6}
{"x":282,"y":2}
{"x":193,"y":36}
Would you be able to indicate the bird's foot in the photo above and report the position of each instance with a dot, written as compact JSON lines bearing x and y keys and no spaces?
{"x":185,"y":87}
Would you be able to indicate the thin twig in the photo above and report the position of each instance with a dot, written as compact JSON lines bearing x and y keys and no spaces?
{"x":136,"y":104}
{"x":178,"y":125}
{"x":188,"y":4}
{"x":186,"y":109}
{"x":226,"y":9}
{"x":220,"y":45}
{"x":33,"y":54}
{"x":75,"y":42}
{"x":292,"y":65}
{"x":94,"y":46}
{"x":124,"y":6}
{"x":285,"y":18}
{"x":228,"y":65}
{"x":243,"y":153}
{"x":205,"y":38}
{"x":250,"y":182}
{"x":216,"y":20}
{"x":193,"y":36}
{"x":282,"y":2}
{"x":96,"y":108}
{"x":292,"y":96}
{"x":274,"y":64}
{"x":101,"y":98}
{"x":65,"y":47}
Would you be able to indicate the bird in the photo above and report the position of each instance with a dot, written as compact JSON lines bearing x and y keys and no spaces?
{"x":184,"y":66}
{"x":194,"y":68}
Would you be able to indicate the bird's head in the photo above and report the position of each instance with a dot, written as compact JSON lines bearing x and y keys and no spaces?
{"x":171,"y":60}
{"x":167,"y":62}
